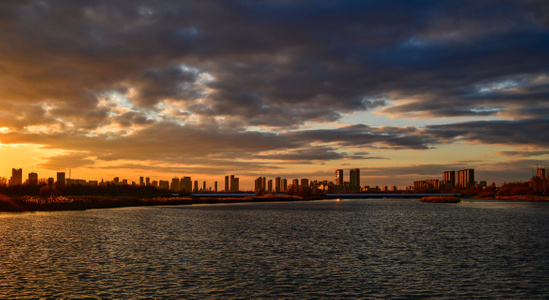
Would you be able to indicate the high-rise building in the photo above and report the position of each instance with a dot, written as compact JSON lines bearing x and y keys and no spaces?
{"x":465,"y":178}
{"x":540,"y":173}
{"x":186,"y":184}
{"x":16,"y":177}
{"x":258,"y":184}
{"x":295,"y":182}
{"x":116,"y":180}
{"x":338,"y":177}
{"x":195,"y":189}
{"x":204,"y":185}
{"x":164,"y":185}
{"x":175,"y":184}
{"x":236,"y":185}
{"x":270,"y":186}
{"x":227,"y":187}
{"x":33,"y":178}
{"x":141,"y":182}
{"x":60,"y":178}
{"x":215,"y":186}
{"x":264,"y":183}
{"x":284,"y":185}
{"x":277,"y":185}
{"x":147,"y":181}
{"x":304,"y":182}
{"x":231,"y":182}
{"x":354,"y":179}
{"x":449,"y":178}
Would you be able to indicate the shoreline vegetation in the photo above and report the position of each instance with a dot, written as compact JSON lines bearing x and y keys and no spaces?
{"x":61,"y":203}
{"x":441,"y":199}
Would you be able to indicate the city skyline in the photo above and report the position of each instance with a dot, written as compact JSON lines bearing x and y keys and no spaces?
{"x":293,"y":89}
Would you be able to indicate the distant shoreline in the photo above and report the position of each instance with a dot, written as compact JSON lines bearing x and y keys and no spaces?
{"x":64,"y":203}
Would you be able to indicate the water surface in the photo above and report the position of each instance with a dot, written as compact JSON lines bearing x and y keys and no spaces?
{"x":370,"y":248}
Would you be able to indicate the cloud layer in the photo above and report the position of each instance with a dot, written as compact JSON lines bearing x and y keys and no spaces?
{"x":213,"y":82}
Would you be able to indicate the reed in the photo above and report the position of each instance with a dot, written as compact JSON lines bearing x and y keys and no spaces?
{"x":441,"y":199}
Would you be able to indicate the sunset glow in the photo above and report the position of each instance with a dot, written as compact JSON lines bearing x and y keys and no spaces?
{"x":294,"y":89}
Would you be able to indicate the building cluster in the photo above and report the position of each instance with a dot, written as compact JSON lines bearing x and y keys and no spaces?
{"x":450,"y":179}
{"x":540,"y":182}
{"x":185,"y":184}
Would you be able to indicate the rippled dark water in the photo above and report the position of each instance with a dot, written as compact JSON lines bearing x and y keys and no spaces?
{"x":344,"y":249}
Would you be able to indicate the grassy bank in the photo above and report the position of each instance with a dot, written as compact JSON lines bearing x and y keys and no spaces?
{"x":57,"y":203}
{"x":440,"y":199}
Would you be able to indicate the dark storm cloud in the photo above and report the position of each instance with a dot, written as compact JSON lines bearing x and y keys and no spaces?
{"x":368,"y":137}
{"x":518,"y":133}
{"x":219,"y":67}
{"x":267,"y":57}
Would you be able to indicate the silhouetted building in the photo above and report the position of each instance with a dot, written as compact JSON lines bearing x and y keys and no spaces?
{"x":426,"y":185}
{"x":277,"y":185}
{"x":295,"y":182}
{"x":304,"y":182}
{"x":204,"y":185}
{"x":284,"y":184}
{"x":270,"y":186}
{"x":449,"y":178}
{"x":175,"y":184}
{"x":195,"y":189}
{"x":258,"y":184}
{"x":116,"y":180}
{"x":164,"y":185}
{"x":354,"y":177}
{"x":231,"y":183}
{"x":147,"y":181}
{"x":540,"y":173}
{"x":215,"y":186}
{"x":235,"y":185}
{"x":141,"y":182}
{"x":60,"y":178}
{"x":16,"y":177}
{"x":465,"y":178}
{"x":33,"y":178}
{"x":50,"y":181}
{"x":338,"y":180}
{"x":186,"y":184}
{"x":227,"y":187}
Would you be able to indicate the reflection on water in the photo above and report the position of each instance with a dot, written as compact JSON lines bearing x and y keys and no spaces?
{"x":348,"y":248}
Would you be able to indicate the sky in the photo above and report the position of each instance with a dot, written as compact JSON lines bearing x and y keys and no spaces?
{"x":403,"y":90}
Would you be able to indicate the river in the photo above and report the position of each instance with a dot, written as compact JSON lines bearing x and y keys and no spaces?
{"x":372,"y":248}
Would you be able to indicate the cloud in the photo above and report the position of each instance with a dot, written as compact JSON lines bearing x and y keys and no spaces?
{"x":211,"y":81}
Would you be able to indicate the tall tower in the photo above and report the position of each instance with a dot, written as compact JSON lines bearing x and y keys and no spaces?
{"x":16,"y":177}
{"x":33,"y":178}
{"x":540,"y":172}
{"x":60,"y":178}
{"x":338,"y":177}
{"x":354,"y":178}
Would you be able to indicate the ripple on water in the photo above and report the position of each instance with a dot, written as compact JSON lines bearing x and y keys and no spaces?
{"x":351,"y":248}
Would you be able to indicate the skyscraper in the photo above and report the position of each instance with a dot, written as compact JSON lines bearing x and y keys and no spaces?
{"x":33,"y":178}
{"x":16,"y":177}
{"x":60,"y":178}
{"x":338,"y":177}
{"x":186,"y":184}
{"x":354,"y":179}
{"x":277,"y":184}
{"x":284,"y":185}
{"x":449,"y":178}
{"x":175,"y":184}
{"x":465,"y":178}
{"x":270,"y":186}
{"x":227,"y":183}
{"x":304,"y":182}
